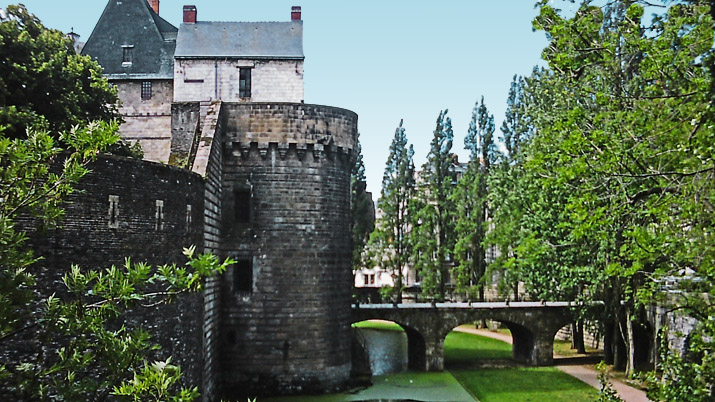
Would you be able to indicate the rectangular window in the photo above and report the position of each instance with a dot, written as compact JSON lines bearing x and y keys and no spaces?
{"x":113,"y":211}
{"x":366,"y":278}
{"x":146,"y":90}
{"x":127,"y":51}
{"x":159,"y":215}
{"x":244,"y":83}
{"x":188,"y":217}
{"x":242,"y":206}
{"x":243,"y":277}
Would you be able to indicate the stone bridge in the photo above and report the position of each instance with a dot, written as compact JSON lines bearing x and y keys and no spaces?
{"x":533,"y":326}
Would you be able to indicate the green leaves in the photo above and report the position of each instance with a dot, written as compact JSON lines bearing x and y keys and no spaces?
{"x":95,"y":355}
{"x":432,"y":212}
{"x":622,"y":156}
{"x":28,"y":186}
{"x":44,"y":83}
{"x":389,"y":242}
{"x":154,"y":382}
{"x":362,"y":209}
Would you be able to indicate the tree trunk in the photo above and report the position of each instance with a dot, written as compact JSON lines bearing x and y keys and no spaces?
{"x":619,"y":358}
{"x":577,"y":337}
{"x":398,"y":287}
{"x":608,"y":344}
{"x":630,"y":366}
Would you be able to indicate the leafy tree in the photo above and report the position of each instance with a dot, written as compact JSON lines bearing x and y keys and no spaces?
{"x":471,"y":199}
{"x":505,"y":192}
{"x":390,"y":239}
{"x":433,"y":220}
{"x":44,"y":83}
{"x":630,"y":142}
{"x":363,"y":211}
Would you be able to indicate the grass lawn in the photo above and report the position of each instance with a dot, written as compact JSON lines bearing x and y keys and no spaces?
{"x":508,"y":384}
{"x":379,"y":325}
{"x":563,"y":348}
{"x":460,"y":348}
{"x":524,"y":384}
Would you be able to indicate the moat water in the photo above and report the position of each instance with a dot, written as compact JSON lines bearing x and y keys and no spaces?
{"x":391,"y":382}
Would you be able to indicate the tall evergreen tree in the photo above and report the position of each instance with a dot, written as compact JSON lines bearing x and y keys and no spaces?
{"x":390,"y":240}
{"x":471,"y":202}
{"x":506,"y":194}
{"x":362,"y":210}
{"x":515,"y":127}
{"x":433,"y":220}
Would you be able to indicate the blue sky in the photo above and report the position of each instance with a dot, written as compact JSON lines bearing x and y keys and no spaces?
{"x":385,"y":60}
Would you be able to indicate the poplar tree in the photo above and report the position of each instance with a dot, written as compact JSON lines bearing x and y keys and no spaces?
{"x":506,"y":193}
{"x":362,"y":210}
{"x":434,"y":212}
{"x":390,"y":240}
{"x":471,"y":199}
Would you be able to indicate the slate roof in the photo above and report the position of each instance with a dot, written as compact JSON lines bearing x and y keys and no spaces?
{"x":241,"y":40}
{"x":133,"y":23}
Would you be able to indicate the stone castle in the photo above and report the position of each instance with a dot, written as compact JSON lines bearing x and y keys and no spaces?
{"x":250,"y":172}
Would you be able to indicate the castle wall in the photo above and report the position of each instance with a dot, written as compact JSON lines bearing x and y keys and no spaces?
{"x":207,"y":79}
{"x":211,"y":170}
{"x":147,"y":121}
{"x":93,"y":237}
{"x":289,"y":330}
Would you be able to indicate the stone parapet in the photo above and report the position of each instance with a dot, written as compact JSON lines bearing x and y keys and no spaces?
{"x":289,"y":123}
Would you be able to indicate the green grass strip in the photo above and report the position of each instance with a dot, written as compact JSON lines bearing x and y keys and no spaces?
{"x":524,"y":384}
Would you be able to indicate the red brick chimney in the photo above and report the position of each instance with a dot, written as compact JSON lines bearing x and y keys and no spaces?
{"x":155,"y":5}
{"x":189,"y":14}
{"x":295,"y":13}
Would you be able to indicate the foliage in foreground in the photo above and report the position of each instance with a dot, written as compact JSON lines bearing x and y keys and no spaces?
{"x":93,"y":354}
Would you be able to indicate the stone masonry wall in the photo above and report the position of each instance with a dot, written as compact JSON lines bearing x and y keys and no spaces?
{"x":185,"y":127}
{"x":212,"y":171}
{"x":290,"y":333}
{"x":329,"y":128}
{"x":142,"y":210}
{"x":205,"y":79}
{"x":147,"y":121}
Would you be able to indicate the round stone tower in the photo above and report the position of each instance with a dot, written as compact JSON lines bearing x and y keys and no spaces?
{"x":284,"y":322}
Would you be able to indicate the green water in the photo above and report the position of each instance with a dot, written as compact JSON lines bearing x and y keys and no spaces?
{"x":462,"y":381}
{"x":406,"y":386}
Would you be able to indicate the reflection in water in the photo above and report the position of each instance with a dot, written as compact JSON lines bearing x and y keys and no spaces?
{"x":387,"y":350}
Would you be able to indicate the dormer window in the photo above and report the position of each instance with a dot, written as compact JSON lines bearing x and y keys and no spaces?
{"x":127,"y":51}
{"x":244,"y":82}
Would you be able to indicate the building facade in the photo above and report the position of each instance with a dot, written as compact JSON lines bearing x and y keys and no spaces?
{"x":135,"y":47}
{"x":227,"y":102}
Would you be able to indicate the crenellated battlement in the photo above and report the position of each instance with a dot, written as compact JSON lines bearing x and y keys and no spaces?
{"x":289,"y":123}
{"x":287,"y":150}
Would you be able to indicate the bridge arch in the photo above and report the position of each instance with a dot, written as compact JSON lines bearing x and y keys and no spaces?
{"x":532,"y":325}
